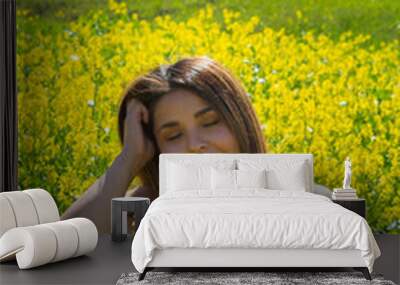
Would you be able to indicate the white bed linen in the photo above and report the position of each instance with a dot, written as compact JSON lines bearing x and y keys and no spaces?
{"x":252,"y":218}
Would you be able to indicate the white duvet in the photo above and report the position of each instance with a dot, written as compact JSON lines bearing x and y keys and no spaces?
{"x":253,"y":218}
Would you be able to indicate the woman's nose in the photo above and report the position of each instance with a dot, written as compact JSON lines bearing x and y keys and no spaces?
{"x":195,"y":143}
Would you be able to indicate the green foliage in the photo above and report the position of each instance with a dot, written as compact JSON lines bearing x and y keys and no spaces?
{"x":324,"y":92}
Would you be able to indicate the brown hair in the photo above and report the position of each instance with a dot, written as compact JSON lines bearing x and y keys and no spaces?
{"x":209,"y":80}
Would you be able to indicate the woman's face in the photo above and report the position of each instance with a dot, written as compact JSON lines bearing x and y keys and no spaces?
{"x":185,"y":123}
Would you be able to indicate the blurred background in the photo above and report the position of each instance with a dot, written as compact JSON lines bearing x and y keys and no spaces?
{"x":323,"y":76}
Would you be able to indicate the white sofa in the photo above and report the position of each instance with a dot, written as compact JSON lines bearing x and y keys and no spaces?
{"x":31,"y":231}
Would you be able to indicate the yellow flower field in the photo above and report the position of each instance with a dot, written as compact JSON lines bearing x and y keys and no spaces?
{"x":312,"y":95}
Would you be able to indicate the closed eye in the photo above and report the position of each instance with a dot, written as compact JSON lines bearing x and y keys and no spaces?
{"x":171,"y":138}
{"x":212,"y":123}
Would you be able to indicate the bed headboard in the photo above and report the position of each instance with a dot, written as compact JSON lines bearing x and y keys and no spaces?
{"x":209,"y":158}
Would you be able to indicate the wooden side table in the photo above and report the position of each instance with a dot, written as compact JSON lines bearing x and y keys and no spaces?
{"x":356,"y":205}
{"x":120,"y":207}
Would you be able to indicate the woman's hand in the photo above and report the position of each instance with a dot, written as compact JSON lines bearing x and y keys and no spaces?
{"x":136,"y":152}
{"x":138,"y":148}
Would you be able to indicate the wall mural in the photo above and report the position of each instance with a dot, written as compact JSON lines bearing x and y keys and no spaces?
{"x":315,"y":87}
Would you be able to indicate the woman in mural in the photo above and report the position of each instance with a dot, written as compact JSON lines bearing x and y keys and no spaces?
{"x":192,"y":106}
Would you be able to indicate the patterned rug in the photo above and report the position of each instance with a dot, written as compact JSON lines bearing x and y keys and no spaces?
{"x":231,"y":278}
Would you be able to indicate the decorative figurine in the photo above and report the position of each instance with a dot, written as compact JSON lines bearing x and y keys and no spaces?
{"x":347,"y":174}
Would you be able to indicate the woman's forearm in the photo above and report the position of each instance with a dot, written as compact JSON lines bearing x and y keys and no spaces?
{"x":95,"y":203}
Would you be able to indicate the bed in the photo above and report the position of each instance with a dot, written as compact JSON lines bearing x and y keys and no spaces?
{"x":247,"y":210}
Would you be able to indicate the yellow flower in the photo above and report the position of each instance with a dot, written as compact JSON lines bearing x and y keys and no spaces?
{"x":311,"y":94}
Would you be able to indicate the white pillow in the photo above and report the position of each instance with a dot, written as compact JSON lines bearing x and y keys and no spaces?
{"x":180,"y":173}
{"x":292,"y":178}
{"x":251,"y":178}
{"x":227,"y":179}
{"x":223,"y":179}
{"x":181,"y":177}
{"x":282,"y":174}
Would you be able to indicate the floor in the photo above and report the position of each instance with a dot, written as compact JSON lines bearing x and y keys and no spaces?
{"x":389,"y":262}
{"x":102,"y":266}
{"x":110,"y":259}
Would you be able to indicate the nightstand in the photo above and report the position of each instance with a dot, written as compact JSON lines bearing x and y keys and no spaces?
{"x":120,"y":207}
{"x":356,"y":205}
